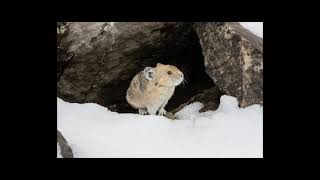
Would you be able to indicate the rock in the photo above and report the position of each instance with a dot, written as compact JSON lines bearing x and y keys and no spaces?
{"x":169,"y":115}
{"x":65,"y":149}
{"x":233,"y":58}
{"x":96,"y":61}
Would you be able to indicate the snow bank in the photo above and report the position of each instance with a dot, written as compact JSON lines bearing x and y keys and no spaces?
{"x":255,"y":27}
{"x":93,"y":131}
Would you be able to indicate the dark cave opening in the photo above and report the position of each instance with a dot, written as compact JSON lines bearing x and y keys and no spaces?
{"x":185,"y":53}
{"x":189,"y":59}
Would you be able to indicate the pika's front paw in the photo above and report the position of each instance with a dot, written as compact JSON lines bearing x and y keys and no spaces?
{"x":143,"y":111}
{"x":162,"y":112}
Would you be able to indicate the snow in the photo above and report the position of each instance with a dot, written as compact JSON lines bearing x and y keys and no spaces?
{"x":255,"y":27}
{"x":94,"y":131}
{"x":189,"y":111}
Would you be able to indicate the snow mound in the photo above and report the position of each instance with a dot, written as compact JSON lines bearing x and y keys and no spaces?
{"x":189,"y":111}
{"x":228,"y":104}
{"x":230,"y":131}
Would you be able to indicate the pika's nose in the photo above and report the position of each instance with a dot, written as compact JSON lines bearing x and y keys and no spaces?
{"x":181,"y":75}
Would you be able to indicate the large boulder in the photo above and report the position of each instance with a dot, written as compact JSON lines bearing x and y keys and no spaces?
{"x":233,"y":58}
{"x":96,"y":61}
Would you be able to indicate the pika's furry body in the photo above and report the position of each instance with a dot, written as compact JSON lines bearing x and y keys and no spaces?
{"x":151,"y":89}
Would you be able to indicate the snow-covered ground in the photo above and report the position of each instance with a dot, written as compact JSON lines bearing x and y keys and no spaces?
{"x":255,"y":27}
{"x":94,"y":131}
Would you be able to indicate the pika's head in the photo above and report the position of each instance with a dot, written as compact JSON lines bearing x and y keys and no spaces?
{"x":164,"y":75}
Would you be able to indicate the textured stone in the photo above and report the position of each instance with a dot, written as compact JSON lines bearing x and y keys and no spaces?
{"x":97,"y":57}
{"x":233,"y":58}
{"x":66,"y":151}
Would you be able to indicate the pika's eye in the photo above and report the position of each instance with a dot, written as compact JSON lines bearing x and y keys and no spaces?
{"x":169,"y":72}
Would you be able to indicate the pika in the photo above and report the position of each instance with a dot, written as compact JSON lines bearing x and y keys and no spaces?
{"x":151,"y":89}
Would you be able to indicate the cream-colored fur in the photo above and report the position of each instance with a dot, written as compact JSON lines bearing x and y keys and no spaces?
{"x":151,"y":89}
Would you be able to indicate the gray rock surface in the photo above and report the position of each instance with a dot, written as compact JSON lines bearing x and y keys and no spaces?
{"x":233,"y":58}
{"x":65,"y":149}
{"x":97,"y":60}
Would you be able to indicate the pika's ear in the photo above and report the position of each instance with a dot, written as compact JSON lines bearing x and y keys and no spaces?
{"x":159,"y":64}
{"x":149,"y":73}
